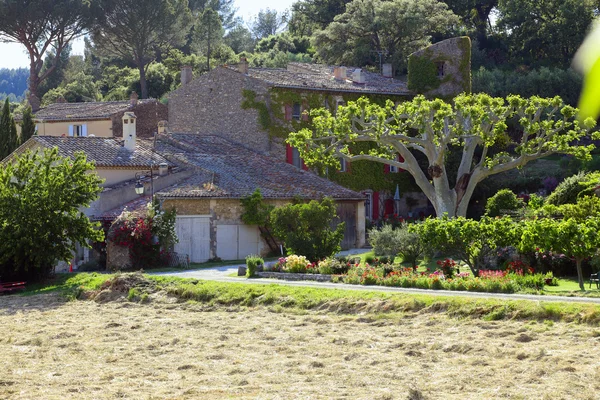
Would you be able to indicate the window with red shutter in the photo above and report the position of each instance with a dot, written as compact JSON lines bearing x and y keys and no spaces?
{"x":288,"y":112}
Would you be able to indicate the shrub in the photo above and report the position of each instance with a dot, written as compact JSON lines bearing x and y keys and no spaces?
{"x":326,"y":266}
{"x":572,"y":187}
{"x":502,"y":203}
{"x":306,"y":228}
{"x":448,"y":267}
{"x":252,"y":263}
{"x":389,"y":243}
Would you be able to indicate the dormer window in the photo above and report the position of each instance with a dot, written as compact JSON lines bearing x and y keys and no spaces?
{"x":441,"y":68}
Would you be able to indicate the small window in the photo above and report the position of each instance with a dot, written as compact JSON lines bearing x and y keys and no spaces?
{"x":393,"y":169}
{"x":77,"y":130}
{"x":296,"y":112}
{"x":125,"y":121}
{"x":343,"y":165}
{"x":441,"y":68}
{"x":296,"y":160}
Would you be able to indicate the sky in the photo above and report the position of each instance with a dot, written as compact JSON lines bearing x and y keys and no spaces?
{"x":12,"y":55}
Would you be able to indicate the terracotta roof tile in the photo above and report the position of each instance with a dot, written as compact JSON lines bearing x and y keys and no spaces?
{"x":320,"y":77}
{"x":229,"y":170}
{"x":105,"y":152}
{"x":84,"y":111}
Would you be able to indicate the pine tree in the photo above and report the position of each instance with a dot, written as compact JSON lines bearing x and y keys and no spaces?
{"x":27,"y":126}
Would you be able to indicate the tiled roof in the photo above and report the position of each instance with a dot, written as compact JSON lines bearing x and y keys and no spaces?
{"x":105,"y":152}
{"x":320,"y":77}
{"x":84,"y":111}
{"x":228,"y":170}
{"x":137,"y":204}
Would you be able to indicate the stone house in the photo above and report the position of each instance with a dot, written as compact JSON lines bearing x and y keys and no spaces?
{"x":208,"y":202}
{"x":99,"y":119}
{"x":258,"y":107}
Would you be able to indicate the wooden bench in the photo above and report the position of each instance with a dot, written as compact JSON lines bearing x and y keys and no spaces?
{"x":8,"y":287}
{"x":595,"y":278}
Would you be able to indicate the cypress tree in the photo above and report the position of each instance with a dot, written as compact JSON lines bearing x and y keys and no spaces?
{"x":27,"y":126}
{"x":8,"y":132}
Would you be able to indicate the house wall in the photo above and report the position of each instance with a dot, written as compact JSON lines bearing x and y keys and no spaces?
{"x":101,"y":128}
{"x":147,"y":117}
{"x":227,"y":212}
{"x":212,"y":105}
{"x":113,"y":176}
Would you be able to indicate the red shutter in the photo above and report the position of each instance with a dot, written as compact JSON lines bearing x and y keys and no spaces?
{"x":288,"y":112}
{"x":305,"y":111}
{"x":375,"y":205}
{"x":401,"y":159}
{"x":304,"y":167}
{"x":389,"y":207}
{"x":289,"y":156}
{"x":386,"y":169}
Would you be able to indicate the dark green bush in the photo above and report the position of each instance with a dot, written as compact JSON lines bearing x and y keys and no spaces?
{"x":573,"y":187}
{"x":502,"y":203}
{"x":306,"y":228}
{"x":252,"y":263}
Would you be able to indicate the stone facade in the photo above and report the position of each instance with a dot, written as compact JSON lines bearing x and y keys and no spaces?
{"x":148,"y":115}
{"x":212,"y":105}
{"x":442,"y":69}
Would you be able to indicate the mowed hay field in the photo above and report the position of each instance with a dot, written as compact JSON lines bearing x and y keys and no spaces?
{"x":52,"y":349}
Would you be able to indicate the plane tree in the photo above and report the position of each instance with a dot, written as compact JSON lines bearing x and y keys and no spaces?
{"x":475,"y":124}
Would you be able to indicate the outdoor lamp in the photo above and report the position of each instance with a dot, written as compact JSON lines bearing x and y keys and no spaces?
{"x":139,"y":188}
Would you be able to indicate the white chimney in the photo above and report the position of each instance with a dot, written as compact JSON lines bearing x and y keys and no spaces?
{"x":339,"y":73}
{"x":387,"y":71}
{"x":129,"y":133}
{"x":186,"y":75}
{"x":163,"y":169}
{"x":163,"y":127}
{"x":358,"y":76}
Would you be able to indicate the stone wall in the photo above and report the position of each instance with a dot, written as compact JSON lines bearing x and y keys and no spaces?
{"x":212,"y":105}
{"x":148,"y":115}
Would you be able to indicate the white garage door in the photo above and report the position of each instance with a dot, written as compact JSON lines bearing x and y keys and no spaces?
{"x":235,"y":242}
{"x":194,"y":237}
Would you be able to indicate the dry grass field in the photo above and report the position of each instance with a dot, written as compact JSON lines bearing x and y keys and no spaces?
{"x":52,"y":349}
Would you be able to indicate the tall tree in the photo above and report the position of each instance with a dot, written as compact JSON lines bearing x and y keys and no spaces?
{"x":239,"y":38}
{"x":208,"y":31}
{"x":396,"y":27}
{"x":40,"y":25}
{"x":27,"y":126}
{"x":474,"y":123}
{"x":310,"y":15}
{"x":225,"y":9}
{"x":138,"y":31}
{"x":268,"y":22}
{"x":547,"y":30}
{"x":475,"y":14}
{"x":8,"y":132}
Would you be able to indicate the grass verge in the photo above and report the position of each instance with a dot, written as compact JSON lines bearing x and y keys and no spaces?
{"x":278,"y":298}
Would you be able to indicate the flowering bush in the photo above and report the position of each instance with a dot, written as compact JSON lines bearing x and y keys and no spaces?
{"x":295,"y":264}
{"x":519,"y":267}
{"x":448,"y":267}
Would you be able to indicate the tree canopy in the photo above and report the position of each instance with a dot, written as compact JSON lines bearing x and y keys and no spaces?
{"x":474,"y":125}
{"x":41,"y":196}
{"x":396,"y":28}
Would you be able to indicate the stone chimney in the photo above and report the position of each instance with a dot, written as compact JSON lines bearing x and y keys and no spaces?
{"x":186,"y":75}
{"x":129,"y":133}
{"x":387,"y":71}
{"x":163,"y":127}
{"x":358,"y":76}
{"x":339,"y":73}
{"x":243,"y":65}
{"x":61,"y":99}
{"x":133,"y":99}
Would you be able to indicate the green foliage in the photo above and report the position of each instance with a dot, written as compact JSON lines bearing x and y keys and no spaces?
{"x":543,"y":82}
{"x":27,"y":126}
{"x":588,"y":60}
{"x":468,"y":240}
{"x":399,"y":27}
{"x":252,"y":262}
{"x":569,"y":190}
{"x":8,"y":132}
{"x":163,"y":224}
{"x":40,"y":219}
{"x":256,"y":212}
{"x":306,"y":228}
{"x":472,"y":124}
{"x":397,"y":242}
{"x":502,"y":203}
{"x":423,"y":75}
